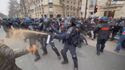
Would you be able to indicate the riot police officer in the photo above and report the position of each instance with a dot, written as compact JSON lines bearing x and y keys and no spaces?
{"x":70,"y":38}
{"x":46,"y":40}
{"x":103,"y":31}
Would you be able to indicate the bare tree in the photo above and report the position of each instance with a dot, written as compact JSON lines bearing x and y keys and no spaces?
{"x":23,"y":8}
{"x":13,"y":8}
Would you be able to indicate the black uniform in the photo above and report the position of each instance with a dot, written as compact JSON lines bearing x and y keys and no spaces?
{"x":70,"y":43}
{"x":51,"y":42}
{"x":44,"y":43}
{"x":103,"y":31}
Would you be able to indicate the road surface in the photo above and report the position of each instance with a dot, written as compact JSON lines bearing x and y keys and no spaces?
{"x":88,"y":60}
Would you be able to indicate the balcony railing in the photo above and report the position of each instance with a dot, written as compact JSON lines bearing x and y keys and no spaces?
{"x":114,"y":2}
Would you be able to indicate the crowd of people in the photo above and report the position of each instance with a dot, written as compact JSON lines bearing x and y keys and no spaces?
{"x":70,"y":31}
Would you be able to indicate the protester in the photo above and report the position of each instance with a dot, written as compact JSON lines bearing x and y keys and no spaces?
{"x":8,"y":56}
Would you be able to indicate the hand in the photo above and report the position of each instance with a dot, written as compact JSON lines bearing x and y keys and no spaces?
{"x":54,"y":35}
{"x":33,"y":49}
{"x":29,"y":50}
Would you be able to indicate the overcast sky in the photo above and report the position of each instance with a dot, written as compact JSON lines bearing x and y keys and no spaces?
{"x":4,"y":6}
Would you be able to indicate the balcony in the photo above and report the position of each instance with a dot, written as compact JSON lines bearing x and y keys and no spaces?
{"x":114,"y":4}
{"x":118,"y":3}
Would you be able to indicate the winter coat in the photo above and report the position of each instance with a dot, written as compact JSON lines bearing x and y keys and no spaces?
{"x":8,"y":56}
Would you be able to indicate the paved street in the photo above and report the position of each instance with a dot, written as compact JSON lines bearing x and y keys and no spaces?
{"x":88,"y":60}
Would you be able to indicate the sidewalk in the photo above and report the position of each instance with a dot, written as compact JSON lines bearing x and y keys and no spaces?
{"x":110,"y":46}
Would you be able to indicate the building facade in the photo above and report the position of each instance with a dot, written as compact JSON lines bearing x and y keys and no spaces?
{"x":38,"y":8}
{"x":111,"y":8}
{"x":87,"y":8}
{"x":71,"y":7}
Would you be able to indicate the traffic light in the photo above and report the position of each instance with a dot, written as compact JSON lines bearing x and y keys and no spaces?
{"x":96,"y":9}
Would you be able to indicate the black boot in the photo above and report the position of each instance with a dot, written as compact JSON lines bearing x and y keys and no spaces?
{"x":64,"y":62}
{"x":44,"y":53}
{"x":59,"y":57}
{"x":37,"y":56}
{"x":64,"y":58}
{"x":56,"y":51}
{"x":102,"y":48}
{"x":98,"y":49}
{"x":101,"y":51}
{"x":98,"y":53}
{"x":75,"y":68}
{"x":75,"y":61}
{"x":44,"y":50}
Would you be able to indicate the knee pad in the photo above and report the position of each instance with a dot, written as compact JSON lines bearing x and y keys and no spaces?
{"x":75,"y":60}
{"x":52,"y":44}
{"x":53,"y":47}
{"x":74,"y":57}
{"x":62,"y":52}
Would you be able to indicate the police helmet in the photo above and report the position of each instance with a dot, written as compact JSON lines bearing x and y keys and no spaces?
{"x":73,"y":21}
{"x":105,"y":19}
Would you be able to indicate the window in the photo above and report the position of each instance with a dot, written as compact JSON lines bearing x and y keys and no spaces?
{"x":67,"y":6}
{"x":50,"y":5}
{"x":67,"y":1}
{"x":91,"y":4}
{"x":74,"y":8}
{"x":71,"y":7}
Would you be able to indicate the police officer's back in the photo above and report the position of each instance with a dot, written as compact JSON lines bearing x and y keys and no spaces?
{"x":70,"y":38}
{"x":103,"y":31}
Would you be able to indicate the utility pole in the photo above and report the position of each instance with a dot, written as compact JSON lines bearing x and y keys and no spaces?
{"x":86,"y":9}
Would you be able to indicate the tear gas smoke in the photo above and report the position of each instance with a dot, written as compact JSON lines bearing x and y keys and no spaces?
{"x":17,"y":35}
{"x":21,"y":33}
